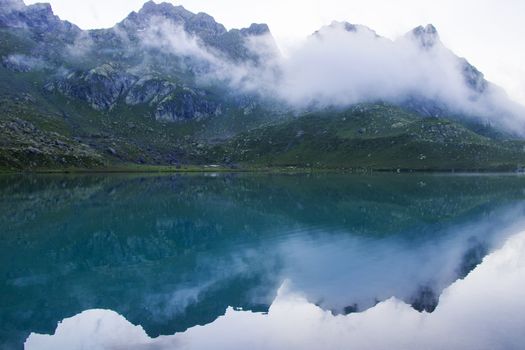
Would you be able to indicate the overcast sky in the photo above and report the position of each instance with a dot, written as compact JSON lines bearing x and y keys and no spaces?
{"x":489,"y":33}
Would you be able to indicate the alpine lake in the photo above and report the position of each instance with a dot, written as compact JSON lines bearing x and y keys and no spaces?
{"x":262,"y":261}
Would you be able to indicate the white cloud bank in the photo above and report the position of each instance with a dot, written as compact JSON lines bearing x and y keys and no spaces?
{"x":338,"y":67}
{"x":483,"y":311}
{"x":490,"y":33}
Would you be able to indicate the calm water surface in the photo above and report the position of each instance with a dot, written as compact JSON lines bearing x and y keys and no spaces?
{"x":149,"y":258}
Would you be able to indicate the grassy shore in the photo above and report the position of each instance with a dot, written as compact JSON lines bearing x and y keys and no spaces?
{"x":141,"y":168}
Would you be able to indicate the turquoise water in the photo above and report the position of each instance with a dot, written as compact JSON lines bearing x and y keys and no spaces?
{"x":169,"y":253}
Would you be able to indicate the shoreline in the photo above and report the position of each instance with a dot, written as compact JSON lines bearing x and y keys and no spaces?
{"x":153,"y":169}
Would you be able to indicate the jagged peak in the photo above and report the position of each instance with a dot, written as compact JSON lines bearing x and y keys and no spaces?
{"x":43,"y":7}
{"x":203,"y":21}
{"x":200,"y":22}
{"x":39,"y":17}
{"x":427,"y":36}
{"x":166,"y":7}
{"x":256,"y":29}
{"x":163,"y":9}
{"x":19,"y":5}
{"x":10,"y":5}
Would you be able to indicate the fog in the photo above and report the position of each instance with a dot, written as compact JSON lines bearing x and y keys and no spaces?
{"x":213,"y":66}
{"x":483,"y":311}
{"x":343,"y":64}
{"x":339,"y":65}
{"x":24,"y":63}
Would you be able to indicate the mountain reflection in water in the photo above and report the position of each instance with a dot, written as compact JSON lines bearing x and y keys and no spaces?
{"x":484,"y":311}
{"x":172,"y":252}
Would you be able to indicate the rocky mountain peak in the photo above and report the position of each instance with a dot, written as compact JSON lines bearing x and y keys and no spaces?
{"x":206,"y":24}
{"x":43,"y":10}
{"x":11,"y":5}
{"x":427,"y":36}
{"x":37,"y":17}
{"x":165,"y":9}
{"x":256,"y":29}
{"x":200,"y":24}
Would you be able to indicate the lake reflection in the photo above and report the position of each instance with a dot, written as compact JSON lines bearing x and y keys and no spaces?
{"x":172,"y":252}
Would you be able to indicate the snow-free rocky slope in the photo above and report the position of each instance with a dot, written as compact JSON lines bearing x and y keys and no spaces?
{"x":158,"y":88}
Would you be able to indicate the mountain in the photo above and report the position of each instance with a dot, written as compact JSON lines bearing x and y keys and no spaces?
{"x":427,"y":37}
{"x":378,"y":136}
{"x":166,"y":86}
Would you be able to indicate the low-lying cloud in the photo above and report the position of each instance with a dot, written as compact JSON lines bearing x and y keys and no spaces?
{"x":341,"y":65}
{"x":24,"y":63}
{"x":212,"y":65}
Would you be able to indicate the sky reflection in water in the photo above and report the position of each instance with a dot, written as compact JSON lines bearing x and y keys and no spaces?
{"x":171,"y":253}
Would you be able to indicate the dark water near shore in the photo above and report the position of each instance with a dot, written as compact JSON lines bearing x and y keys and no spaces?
{"x":172,"y":252}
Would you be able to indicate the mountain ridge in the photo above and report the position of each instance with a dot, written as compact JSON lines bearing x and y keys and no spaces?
{"x":168,"y":86}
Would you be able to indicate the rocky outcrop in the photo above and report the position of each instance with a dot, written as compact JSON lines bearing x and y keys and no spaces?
{"x":38,"y":17}
{"x":100,"y":87}
{"x":186,"y":104}
{"x":11,"y":5}
{"x":201,"y":25}
{"x":426,"y":36}
{"x":25,"y":146}
{"x":194,"y":72}
{"x":149,"y":91}
{"x":474,"y":79}
{"x":255,"y":29}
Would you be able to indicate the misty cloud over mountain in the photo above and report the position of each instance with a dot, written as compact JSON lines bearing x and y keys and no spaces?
{"x":165,"y":64}
{"x":339,"y":65}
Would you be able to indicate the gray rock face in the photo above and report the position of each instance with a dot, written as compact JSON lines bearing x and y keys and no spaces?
{"x":124,"y":70}
{"x":103,"y":87}
{"x":24,"y":146}
{"x":205,"y":25}
{"x":11,"y":5}
{"x":426,"y":36}
{"x":100,"y":87}
{"x":149,"y":91}
{"x":185,"y":105}
{"x":167,"y":82}
{"x":255,"y":29}
{"x":38,"y":17}
{"x":474,"y":79}
{"x":201,"y":25}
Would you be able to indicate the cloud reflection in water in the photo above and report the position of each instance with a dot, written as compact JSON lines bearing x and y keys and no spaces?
{"x":482,"y":311}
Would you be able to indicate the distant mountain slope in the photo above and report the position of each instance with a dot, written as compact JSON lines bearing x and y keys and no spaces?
{"x":167,"y":86}
{"x":373,"y":137}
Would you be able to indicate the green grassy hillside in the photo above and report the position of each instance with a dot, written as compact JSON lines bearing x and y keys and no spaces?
{"x":60,"y":111}
{"x":373,"y":136}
